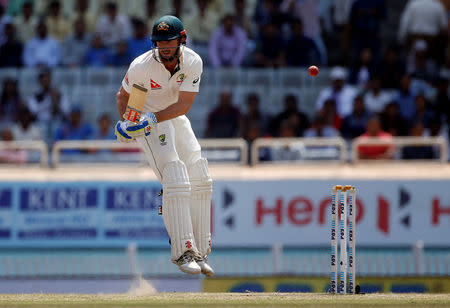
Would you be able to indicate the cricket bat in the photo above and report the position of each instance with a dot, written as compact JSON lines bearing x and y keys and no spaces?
{"x":136,"y":103}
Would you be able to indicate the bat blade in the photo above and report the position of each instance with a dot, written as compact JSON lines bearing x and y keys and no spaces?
{"x":136,"y":103}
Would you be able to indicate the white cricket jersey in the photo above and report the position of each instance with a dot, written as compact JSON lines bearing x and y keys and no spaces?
{"x":163,"y":89}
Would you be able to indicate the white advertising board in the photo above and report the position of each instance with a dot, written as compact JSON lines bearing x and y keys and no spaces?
{"x":297,"y":212}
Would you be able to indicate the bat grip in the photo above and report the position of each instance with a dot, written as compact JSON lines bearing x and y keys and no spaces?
{"x":132,"y":114}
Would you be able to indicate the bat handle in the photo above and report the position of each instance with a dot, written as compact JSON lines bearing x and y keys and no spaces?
{"x":132,"y":114}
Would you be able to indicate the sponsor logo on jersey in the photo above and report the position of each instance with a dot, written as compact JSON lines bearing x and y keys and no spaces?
{"x":154,"y":85}
{"x":162,"y":139}
{"x":188,"y":244}
{"x":181,"y":77}
{"x":195,"y":80}
{"x":162,"y":26}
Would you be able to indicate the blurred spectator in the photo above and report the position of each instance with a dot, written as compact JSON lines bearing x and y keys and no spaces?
{"x":391,"y":69}
{"x":140,"y":42}
{"x":120,"y":56}
{"x":242,"y":19}
{"x":251,"y":132}
{"x":82,"y":12}
{"x":355,"y":123}
{"x":98,"y":55}
{"x":340,"y":41}
{"x":177,"y":8}
{"x":420,"y":66}
{"x":341,"y":93}
{"x":308,"y":12}
{"x":4,"y":19}
{"x":58,"y":26}
{"x":74,"y":128}
{"x":269,"y":47}
{"x":134,"y":8}
{"x":442,"y":99}
{"x":13,"y":7}
{"x":224,"y":120}
{"x":417,"y":152}
{"x":254,"y":115}
{"x":48,"y":104}
{"x":152,"y":14}
{"x":42,"y":50}
{"x":426,"y":19}
{"x":374,"y":131}
{"x":300,"y":50}
{"x":113,"y":27}
{"x":326,"y":17}
{"x":228,"y":44}
{"x":330,"y":115}
{"x":361,"y":73}
{"x":365,"y":25}
{"x":105,"y":130}
{"x":291,"y":114}
{"x":376,"y":98}
{"x":10,"y":101}
{"x":405,"y":99}
{"x":11,"y":49}
{"x":200,"y":26}
{"x":9,"y":156}
{"x":76,"y":47}
{"x":436,"y":129}
{"x":286,"y":153}
{"x":26,"y":23}
{"x":391,"y":120}
{"x":320,"y":128}
{"x":423,"y":114}
{"x":24,"y":129}
{"x":268,"y":11}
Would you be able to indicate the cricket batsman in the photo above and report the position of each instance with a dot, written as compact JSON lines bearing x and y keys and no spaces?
{"x":170,"y":74}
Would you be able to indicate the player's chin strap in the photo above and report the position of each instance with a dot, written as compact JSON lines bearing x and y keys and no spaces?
{"x":157,"y":56}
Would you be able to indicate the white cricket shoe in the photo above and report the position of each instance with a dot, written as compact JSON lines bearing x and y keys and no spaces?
{"x":187,"y":263}
{"x":205,"y":267}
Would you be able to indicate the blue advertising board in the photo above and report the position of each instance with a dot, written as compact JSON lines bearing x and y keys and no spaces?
{"x":88,"y":214}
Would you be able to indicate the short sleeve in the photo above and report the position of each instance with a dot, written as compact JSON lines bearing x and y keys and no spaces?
{"x":131,"y":77}
{"x":126,"y":82}
{"x":193,"y":76}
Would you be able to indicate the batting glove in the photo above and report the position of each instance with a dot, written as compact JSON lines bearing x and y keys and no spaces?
{"x":120,"y":132}
{"x":149,"y":120}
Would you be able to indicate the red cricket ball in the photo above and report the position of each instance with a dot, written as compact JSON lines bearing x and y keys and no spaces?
{"x":313,"y":70}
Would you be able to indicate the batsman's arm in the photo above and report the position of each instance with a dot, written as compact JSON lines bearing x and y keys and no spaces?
{"x":122,"y":102}
{"x":181,"y":107}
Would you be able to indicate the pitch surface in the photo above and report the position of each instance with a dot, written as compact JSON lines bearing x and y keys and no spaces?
{"x":224,"y":300}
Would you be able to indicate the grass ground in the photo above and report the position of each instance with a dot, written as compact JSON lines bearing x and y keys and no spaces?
{"x":259,"y":300}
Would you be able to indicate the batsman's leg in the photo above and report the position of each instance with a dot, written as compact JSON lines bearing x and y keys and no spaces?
{"x":189,"y":151}
{"x":200,"y":206}
{"x":172,"y":173}
{"x":176,"y":216}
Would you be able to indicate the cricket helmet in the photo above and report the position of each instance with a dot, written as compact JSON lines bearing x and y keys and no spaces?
{"x":168,"y":28}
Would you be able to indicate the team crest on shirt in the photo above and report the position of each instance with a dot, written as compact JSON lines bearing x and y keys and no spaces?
{"x":162,"y":139}
{"x":180,"y":78}
{"x":162,"y":26}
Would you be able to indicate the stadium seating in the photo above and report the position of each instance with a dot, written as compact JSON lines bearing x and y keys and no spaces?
{"x":94,"y":89}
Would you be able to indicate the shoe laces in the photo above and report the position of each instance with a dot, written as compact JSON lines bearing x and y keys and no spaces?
{"x":186,"y":257}
{"x":199,"y":258}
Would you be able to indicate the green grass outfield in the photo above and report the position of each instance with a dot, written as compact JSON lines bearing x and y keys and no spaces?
{"x":224,"y":300}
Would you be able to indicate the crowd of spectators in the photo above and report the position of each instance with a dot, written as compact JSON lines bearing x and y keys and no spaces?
{"x":389,"y":87}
